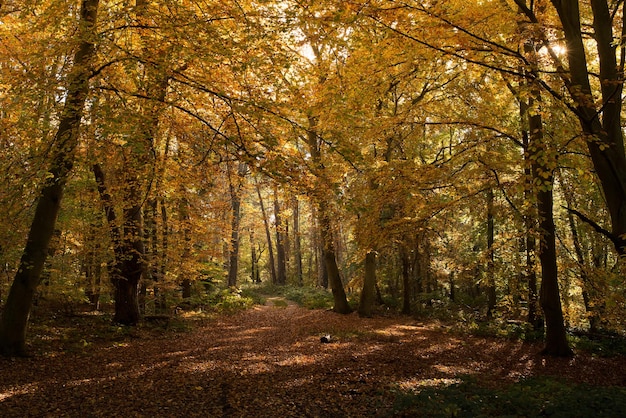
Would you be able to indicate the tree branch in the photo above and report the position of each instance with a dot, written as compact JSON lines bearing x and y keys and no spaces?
{"x":615,"y":240}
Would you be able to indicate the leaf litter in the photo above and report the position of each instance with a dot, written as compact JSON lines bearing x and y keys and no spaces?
{"x":270,"y":362}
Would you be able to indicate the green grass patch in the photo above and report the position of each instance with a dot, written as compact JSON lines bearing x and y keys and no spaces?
{"x":280,"y":303}
{"x":308,"y":297}
{"x":535,"y":397}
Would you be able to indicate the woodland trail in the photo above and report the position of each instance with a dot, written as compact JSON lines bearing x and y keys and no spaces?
{"x":268,"y":361}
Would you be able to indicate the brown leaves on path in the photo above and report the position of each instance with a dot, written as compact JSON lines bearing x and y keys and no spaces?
{"x":269,"y":362}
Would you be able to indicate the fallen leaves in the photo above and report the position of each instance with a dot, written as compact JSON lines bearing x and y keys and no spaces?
{"x":269,"y":361}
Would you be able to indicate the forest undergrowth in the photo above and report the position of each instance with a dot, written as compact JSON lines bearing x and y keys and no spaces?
{"x":269,"y":361}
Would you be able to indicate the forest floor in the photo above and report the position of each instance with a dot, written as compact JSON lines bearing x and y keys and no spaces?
{"x":269,"y":361}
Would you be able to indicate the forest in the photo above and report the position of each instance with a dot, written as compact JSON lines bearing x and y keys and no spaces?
{"x":377,"y":179}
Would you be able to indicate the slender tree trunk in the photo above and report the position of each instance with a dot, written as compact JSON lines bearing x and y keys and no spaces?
{"x":297,"y":243}
{"x":530,"y":216}
{"x":318,"y":251}
{"x":407,"y":289}
{"x":254,"y":261}
{"x":235,"y":204}
{"x":451,"y":284}
{"x":592,"y":314}
{"x":161,"y":301}
{"x":281,"y":258}
{"x":268,"y":235}
{"x":92,"y":268}
{"x":16,"y":312}
{"x":368,"y":293}
{"x":491,"y":280}
{"x":549,"y":295}
{"x":155,"y":224}
{"x":183,"y":213}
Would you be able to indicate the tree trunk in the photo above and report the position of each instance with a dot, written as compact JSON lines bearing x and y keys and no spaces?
{"x":92,"y":267}
{"x":549,"y":295}
{"x":183,"y":214}
{"x":587,"y":286}
{"x":128,"y":250}
{"x":235,"y":204}
{"x":601,"y":123}
{"x":14,"y":319}
{"x":368,"y":293}
{"x":533,"y":316}
{"x":268,"y":235}
{"x":255,"y":275}
{"x":281,"y":258}
{"x":451,"y":284}
{"x":407,"y":290}
{"x":159,"y":294}
{"x":326,"y":232}
{"x":491,"y":280}
{"x":334,"y":278}
{"x":297,"y":244}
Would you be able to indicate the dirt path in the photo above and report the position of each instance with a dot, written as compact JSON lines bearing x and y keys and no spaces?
{"x":269,"y":362}
{"x":279,"y":301}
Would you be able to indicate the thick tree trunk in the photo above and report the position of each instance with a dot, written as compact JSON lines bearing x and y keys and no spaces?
{"x":556,"y":337}
{"x":601,"y":123}
{"x":128,"y":250}
{"x":334,"y":278}
{"x":14,"y":319}
{"x":129,"y":268}
{"x":368,"y":293}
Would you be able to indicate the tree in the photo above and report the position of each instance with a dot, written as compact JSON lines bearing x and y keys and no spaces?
{"x":14,"y":319}
{"x":297,"y":241}
{"x":281,"y":244}
{"x":600,"y":121}
{"x":268,"y":235}
{"x":326,"y":226}
{"x":235,"y":185}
